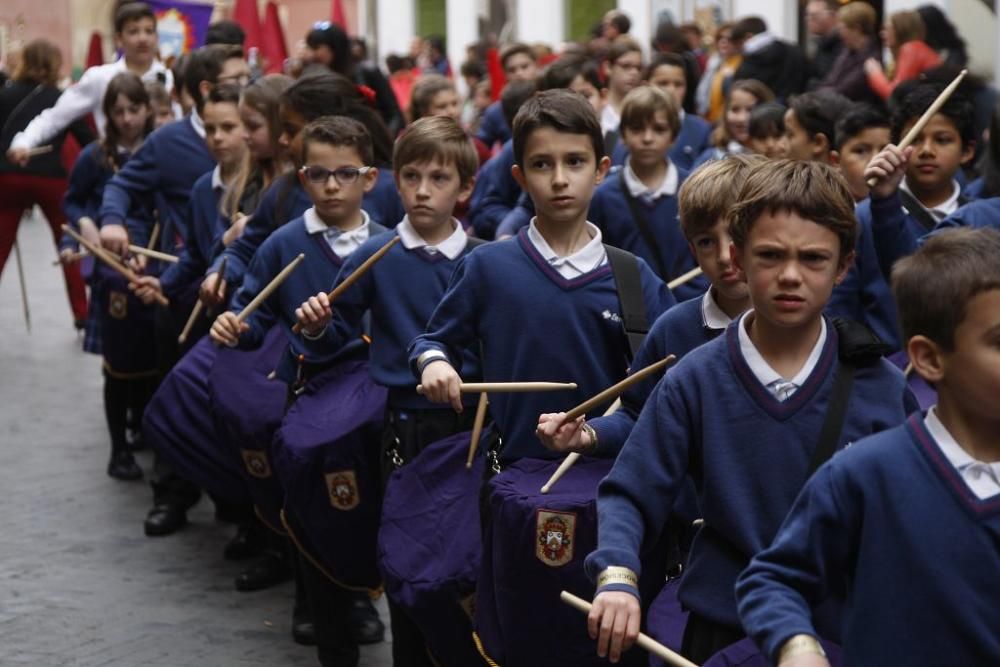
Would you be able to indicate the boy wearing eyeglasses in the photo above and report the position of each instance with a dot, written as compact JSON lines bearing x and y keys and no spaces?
{"x":336,"y":174}
{"x":434,"y":163}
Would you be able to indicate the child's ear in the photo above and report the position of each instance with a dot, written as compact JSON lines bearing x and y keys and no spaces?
{"x":927,"y":358}
{"x":968,"y":151}
{"x":518,"y":175}
{"x":844,"y":266}
{"x":835,"y":158}
{"x":602,"y":169}
{"x":205,"y":87}
{"x":371,"y":177}
{"x":822,"y":145}
{"x":302,"y":178}
{"x":466,"y":191}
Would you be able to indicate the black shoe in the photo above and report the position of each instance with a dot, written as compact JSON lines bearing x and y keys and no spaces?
{"x":248,"y":542}
{"x":269,"y":571}
{"x":164,"y":519}
{"x":366,"y":626}
{"x":123,"y":466}
{"x":303,"y":630}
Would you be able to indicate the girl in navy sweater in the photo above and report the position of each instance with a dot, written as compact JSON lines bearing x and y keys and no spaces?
{"x":127,"y":386}
{"x":878,"y":521}
{"x":741,"y":414}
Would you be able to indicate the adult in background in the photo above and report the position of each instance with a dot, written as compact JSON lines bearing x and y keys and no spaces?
{"x":714,"y":85}
{"x":778,"y":64}
{"x":328,"y":45}
{"x":669,"y":39}
{"x":856,"y":25}
{"x":42,"y":178}
{"x":904,"y":35}
{"x":821,"y":22}
{"x":943,"y":37}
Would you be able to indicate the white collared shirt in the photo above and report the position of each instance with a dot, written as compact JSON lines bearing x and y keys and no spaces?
{"x":712,"y":316}
{"x":943,"y":210}
{"x":781,"y":388}
{"x":197,"y":123}
{"x":83,"y":97}
{"x":342,"y":243}
{"x":584,"y":260}
{"x":217,"y":182}
{"x":451,"y":247}
{"x":610,"y":119}
{"x":983,"y":479}
{"x":639,"y":190}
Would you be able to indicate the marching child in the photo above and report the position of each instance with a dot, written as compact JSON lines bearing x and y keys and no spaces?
{"x":733,"y":134}
{"x":435,"y":165}
{"x":767,"y":130}
{"x":740,"y":415}
{"x":623,"y":72}
{"x":519,"y":65}
{"x":636,"y":210}
{"x":878,"y":520}
{"x":810,"y":124}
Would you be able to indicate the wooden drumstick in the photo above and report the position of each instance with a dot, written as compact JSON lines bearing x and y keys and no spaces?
{"x":155,"y":254}
{"x":24,"y":285}
{"x":40,"y":150}
{"x":199,"y":305}
{"x":356,"y":274}
{"x":154,"y":237}
{"x":931,"y":110}
{"x":103,"y":255}
{"x":269,"y":289}
{"x":616,"y":390}
{"x":644,"y":641}
{"x":508,"y":387}
{"x":477,"y":427}
{"x":573,"y":456}
{"x":685,"y":278}
{"x":69,"y":259}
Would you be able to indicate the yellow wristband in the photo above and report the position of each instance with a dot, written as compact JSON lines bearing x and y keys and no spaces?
{"x":798,"y":645}
{"x":617,"y":575}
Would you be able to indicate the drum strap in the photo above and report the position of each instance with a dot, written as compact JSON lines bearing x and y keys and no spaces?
{"x":833,"y":425}
{"x":628,"y":282}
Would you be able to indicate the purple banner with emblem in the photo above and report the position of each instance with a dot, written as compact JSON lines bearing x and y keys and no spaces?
{"x":181,"y":26}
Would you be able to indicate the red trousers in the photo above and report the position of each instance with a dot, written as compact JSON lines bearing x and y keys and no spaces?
{"x":18,"y":193}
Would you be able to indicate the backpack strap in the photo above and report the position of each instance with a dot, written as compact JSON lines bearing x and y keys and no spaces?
{"x":628,"y":282}
{"x":611,"y":141}
{"x":642,"y":222}
{"x":917,"y":210}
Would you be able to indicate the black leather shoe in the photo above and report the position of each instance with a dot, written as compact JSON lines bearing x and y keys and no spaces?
{"x":303,"y":630}
{"x":269,"y":571}
{"x":366,"y":626}
{"x":123,"y":466}
{"x":164,"y":519}
{"x":248,"y":542}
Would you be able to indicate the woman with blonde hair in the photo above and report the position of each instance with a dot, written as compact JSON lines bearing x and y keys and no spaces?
{"x":904,"y":34}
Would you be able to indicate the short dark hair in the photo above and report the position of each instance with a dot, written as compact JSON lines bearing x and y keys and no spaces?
{"x":814,"y":190}
{"x":225,"y":93}
{"x":424,"y":91}
{"x":640,"y":106}
{"x":225,"y":32}
{"x":514,"y":49}
{"x":338,"y":131}
{"x":933,"y":286}
{"x":562,"y":110}
{"x":205,"y":64}
{"x":473,"y":68}
{"x":562,"y":72}
{"x":621,"y":22}
{"x":912,"y":103}
{"x":711,"y":190}
{"x":513,"y":96}
{"x":619,"y":47}
{"x":132,"y":11}
{"x":437,"y":137}
{"x":858,"y":118}
{"x":666,"y":59}
{"x":767,"y":120}
{"x":747,"y":27}
{"x":817,"y":112}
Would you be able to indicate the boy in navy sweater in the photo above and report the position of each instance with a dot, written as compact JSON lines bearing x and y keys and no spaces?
{"x":916,"y":188}
{"x":879,"y":520}
{"x":543,"y":305}
{"x":435,"y":166}
{"x":519,"y":64}
{"x":810,"y":125}
{"x":741,"y":413}
{"x":636,"y":209}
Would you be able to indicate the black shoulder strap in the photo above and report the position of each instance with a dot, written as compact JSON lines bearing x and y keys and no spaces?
{"x":611,"y":141}
{"x":917,"y":210}
{"x":628,"y":282}
{"x":833,"y":425}
{"x":643,"y":223}
{"x":474,"y":242}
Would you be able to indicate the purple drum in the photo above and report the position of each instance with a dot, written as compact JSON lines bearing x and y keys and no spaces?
{"x":248,"y":408}
{"x":744,"y":653}
{"x":429,"y":545}
{"x":179,"y":425}
{"x":666,"y":620}
{"x":534,"y":548}
{"x":326,"y":457}
{"x":126,"y":327}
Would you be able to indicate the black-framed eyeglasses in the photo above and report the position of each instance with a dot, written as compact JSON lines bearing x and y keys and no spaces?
{"x":344,"y":175}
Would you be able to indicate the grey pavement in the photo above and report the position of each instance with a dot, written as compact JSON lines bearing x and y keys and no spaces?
{"x":79,"y":582}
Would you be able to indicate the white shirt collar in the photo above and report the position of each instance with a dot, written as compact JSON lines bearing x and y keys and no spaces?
{"x":610,"y":119}
{"x":197,"y":123}
{"x":757,"y":42}
{"x":712,"y":316}
{"x":667,"y":187}
{"x":217,"y":183}
{"x":342,"y":243}
{"x":451,"y":247}
{"x":769,"y":377}
{"x":943,"y":210}
{"x":983,"y":479}
{"x":584,"y":260}
{"x":735,"y":148}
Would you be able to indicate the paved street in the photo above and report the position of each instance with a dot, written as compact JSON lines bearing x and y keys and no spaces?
{"x":79,"y":582}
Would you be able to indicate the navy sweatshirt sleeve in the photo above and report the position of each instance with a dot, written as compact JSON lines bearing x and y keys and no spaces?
{"x":892,"y":233}
{"x":453,"y":325}
{"x":493,"y":127}
{"x":266,"y":264}
{"x":494,"y":194}
{"x":135,"y":184}
{"x":204,"y":228}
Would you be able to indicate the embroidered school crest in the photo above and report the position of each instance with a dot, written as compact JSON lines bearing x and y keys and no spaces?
{"x":342,"y":486}
{"x":256,"y":463}
{"x":554,"y":537}
{"x":118,"y":305}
